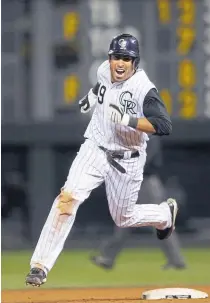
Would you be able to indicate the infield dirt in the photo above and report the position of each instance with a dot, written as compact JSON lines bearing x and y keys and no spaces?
{"x":89,"y":295}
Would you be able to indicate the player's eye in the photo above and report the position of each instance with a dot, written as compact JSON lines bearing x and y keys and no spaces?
{"x":120,"y":57}
{"x":116,"y":57}
{"x":126,"y":59}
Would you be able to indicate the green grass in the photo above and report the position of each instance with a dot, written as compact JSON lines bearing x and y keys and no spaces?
{"x":134,"y":267}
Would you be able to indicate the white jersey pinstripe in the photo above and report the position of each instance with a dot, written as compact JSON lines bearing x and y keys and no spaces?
{"x":129,"y":95}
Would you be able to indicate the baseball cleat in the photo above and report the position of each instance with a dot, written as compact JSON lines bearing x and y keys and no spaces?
{"x":36,"y":277}
{"x":102,"y":262}
{"x":165,"y":233}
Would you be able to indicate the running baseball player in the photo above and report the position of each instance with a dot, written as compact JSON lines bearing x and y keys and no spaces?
{"x":127,"y":109}
{"x":152,"y":190}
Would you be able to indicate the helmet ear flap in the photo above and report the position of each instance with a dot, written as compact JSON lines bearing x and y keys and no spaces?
{"x":136,"y":62}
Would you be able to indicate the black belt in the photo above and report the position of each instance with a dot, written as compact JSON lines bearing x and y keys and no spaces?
{"x":111,"y":155}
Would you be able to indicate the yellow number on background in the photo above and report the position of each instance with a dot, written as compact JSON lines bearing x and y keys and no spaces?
{"x":188,"y":100}
{"x":70,"y":25}
{"x":164,"y":11}
{"x":187,"y":14}
{"x":167,"y":99}
{"x":71,"y":89}
{"x":187,"y":74}
{"x":186,"y":37}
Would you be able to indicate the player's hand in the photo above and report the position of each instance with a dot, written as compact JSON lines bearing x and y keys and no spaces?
{"x":86,"y":103}
{"x":116,"y":115}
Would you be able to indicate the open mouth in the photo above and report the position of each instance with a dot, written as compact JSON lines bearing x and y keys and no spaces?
{"x":120,"y":71}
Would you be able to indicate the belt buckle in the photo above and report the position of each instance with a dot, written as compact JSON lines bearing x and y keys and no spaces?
{"x":111,"y":153}
{"x":127,"y":155}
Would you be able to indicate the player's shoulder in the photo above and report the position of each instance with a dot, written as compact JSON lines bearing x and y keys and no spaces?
{"x":141,"y":78}
{"x":141,"y":82}
{"x":141,"y":75}
{"x":103,"y":69}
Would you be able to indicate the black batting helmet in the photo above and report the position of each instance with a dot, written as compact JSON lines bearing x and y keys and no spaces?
{"x":127,"y":45}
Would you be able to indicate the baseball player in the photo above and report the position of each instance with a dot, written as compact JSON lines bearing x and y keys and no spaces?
{"x":152,"y":191}
{"x":127,"y":109}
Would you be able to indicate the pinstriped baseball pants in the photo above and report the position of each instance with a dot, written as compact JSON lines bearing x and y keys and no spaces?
{"x":89,"y":169}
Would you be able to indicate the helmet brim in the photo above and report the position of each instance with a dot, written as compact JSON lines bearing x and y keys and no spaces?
{"x":123,"y":53}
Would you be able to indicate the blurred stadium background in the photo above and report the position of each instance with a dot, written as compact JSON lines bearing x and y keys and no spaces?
{"x":50,"y":52}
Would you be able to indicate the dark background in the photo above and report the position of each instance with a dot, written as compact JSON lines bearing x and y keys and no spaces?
{"x":48,"y":65}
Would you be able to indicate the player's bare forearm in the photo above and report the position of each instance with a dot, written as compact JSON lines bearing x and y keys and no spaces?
{"x":145,"y":126}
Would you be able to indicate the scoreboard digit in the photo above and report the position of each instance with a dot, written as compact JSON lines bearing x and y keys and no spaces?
{"x":165,"y":16}
{"x":71,"y":82}
{"x":67,"y":53}
{"x":187,"y":70}
{"x":181,"y":26}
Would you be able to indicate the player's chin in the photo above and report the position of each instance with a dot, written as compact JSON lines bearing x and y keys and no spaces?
{"x":119,"y":77}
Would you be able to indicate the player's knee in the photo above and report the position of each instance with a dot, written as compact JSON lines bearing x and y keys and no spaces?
{"x":120,"y":224}
{"x":66,"y":203}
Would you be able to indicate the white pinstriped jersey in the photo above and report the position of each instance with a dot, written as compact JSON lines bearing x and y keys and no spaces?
{"x":129,"y":96}
{"x":91,"y":168}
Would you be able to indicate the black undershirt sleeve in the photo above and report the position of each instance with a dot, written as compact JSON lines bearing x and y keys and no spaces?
{"x":155,"y":112}
{"x":96,"y":88}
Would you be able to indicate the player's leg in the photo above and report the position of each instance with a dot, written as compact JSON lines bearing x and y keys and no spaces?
{"x":153,"y":191}
{"x":122,"y":193}
{"x":111,"y":248}
{"x":85,"y":174}
{"x":172,"y":250}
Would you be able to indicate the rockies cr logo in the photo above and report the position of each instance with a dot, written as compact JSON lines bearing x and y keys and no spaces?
{"x":126,"y":102}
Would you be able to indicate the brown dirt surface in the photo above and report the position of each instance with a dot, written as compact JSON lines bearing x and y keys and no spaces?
{"x":89,"y":295}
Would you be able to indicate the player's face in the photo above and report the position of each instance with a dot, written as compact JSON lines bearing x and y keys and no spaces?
{"x":121,"y":67}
